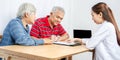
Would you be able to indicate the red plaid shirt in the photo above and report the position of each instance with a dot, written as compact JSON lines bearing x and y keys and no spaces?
{"x":41,"y":29}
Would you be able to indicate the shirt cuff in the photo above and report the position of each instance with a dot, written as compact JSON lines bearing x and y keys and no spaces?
{"x":85,"y":40}
{"x":39,"y":42}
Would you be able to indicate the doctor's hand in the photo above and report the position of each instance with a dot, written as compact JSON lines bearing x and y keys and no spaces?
{"x":69,"y":40}
{"x":77,"y":40}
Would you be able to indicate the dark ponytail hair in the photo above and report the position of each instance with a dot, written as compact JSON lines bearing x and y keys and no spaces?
{"x":107,"y":15}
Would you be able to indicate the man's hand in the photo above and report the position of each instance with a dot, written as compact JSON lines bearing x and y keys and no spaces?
{"x":55,"y":38}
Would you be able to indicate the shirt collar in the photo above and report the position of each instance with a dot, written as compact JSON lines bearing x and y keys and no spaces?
{"x":46,"y":21}
{"x":27,"y":27}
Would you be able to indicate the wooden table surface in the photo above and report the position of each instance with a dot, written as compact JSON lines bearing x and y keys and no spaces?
{"x":44,"y":52}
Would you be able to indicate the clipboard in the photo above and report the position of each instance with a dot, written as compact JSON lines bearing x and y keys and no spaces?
{"x":66,"y":43}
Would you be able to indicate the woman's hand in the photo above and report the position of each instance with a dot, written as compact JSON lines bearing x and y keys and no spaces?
{"x":47,"y":41}
{"x":77,"y":40}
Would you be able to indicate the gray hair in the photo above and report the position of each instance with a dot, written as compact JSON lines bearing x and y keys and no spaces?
{"x":26,"y":8}
{"x":57,"y":8}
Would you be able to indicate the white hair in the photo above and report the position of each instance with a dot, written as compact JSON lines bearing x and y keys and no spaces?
{"x":57,"y":8}
{"x":26,"y":8}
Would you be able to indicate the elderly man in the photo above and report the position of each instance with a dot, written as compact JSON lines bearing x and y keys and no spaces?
{"x":50,"y":27}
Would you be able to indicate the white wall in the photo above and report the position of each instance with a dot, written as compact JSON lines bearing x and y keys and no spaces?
{"x":81,"y":13}
{"x":10,"y":7}
{"x":78,"y":14}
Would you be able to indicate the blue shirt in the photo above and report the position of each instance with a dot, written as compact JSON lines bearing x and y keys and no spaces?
{"x":15,"y":33}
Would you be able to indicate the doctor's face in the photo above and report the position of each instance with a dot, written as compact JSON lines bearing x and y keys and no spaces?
{"x":97,"y":18}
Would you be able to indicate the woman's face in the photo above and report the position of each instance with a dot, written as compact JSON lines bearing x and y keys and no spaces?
{"x":97,"y":18}
{"x":31,"y":18}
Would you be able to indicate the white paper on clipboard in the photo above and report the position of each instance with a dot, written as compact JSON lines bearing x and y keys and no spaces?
{"x":66,"y":43}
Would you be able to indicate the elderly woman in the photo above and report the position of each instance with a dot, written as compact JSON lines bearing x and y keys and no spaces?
{"x":17,"y":30}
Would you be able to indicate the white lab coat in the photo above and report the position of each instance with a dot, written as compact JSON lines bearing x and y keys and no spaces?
{"x":104,"y":42}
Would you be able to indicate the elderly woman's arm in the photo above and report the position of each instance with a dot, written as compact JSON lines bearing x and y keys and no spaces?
{"x":21,"y":37}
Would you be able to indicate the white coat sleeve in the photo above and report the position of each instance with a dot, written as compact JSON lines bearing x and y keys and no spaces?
{"x":98,"y":37}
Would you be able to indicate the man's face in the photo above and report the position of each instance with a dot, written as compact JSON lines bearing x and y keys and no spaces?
{"x":56,"y":17}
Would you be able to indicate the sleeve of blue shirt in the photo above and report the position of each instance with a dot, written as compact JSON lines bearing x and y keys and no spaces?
{"x":21,"y":36}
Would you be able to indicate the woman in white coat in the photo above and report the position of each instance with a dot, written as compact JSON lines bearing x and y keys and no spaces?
{"x":104,"y":41}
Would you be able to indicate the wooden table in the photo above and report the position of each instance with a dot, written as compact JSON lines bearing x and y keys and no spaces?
{"x":0,"y":36}
{"x":41,"y":52}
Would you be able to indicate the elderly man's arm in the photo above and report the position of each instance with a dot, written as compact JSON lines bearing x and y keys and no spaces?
{"x":63,"y":37}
